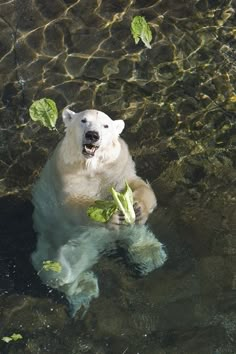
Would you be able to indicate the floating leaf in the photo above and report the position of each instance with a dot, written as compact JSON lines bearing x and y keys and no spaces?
{"x":16,"y":336}
{"x":6,"y":339}
{"x":13,"y":337}
{"x":50,"y":265}
{"x":140,"y":29}
{"x":102,"y":210}
{"x":45,"y":112}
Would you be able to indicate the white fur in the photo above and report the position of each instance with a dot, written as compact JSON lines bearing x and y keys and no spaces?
{"x":68,"y":184}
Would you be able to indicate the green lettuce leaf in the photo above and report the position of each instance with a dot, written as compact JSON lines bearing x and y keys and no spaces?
{"x":13,"y":337}
{"x":102,"y":210}
{"x":51,"y":265}
{"x":140,"y":29}
{"x":124,"y":202}
{"x":45,"y":112}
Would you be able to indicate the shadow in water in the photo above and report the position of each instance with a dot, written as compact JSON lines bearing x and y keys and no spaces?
{"x":17,"y":241}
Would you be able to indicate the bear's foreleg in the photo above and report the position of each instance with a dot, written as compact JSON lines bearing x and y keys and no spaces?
{"x":144,"y":199}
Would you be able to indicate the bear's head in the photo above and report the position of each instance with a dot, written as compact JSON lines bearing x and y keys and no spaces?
{"x":90,"y":135}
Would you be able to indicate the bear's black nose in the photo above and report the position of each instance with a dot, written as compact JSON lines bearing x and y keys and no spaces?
{"x":92,"y":135}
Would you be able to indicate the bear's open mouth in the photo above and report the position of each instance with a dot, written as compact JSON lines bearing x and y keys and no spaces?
{"x":89,"y":150}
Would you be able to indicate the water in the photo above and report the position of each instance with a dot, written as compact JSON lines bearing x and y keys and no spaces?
{"x":177,"y":100}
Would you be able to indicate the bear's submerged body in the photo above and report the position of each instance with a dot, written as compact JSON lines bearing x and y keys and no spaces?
{"x":90,"y":160}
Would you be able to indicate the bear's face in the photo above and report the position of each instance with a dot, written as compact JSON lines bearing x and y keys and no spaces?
{"x":93,"y":132}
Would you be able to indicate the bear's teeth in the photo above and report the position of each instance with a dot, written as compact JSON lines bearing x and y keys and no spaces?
{"x":90,"y":149}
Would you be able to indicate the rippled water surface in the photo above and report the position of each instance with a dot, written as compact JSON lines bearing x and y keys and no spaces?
{"x":178,"y":100}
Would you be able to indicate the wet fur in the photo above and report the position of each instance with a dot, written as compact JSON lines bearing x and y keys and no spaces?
{"x":68,"y":184}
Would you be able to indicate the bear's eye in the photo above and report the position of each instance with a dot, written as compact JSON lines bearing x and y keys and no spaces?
{"x":106,"y":126}
{"x":84,"y":120}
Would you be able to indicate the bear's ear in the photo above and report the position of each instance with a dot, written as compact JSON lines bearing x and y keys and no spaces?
{"x":119,"y":126}
{"x":67,"y":116}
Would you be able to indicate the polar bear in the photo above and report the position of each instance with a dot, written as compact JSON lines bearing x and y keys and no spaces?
{"x":87,"y":162}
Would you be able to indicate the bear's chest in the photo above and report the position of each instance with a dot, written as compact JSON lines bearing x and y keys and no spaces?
{"x":90,"y":186}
